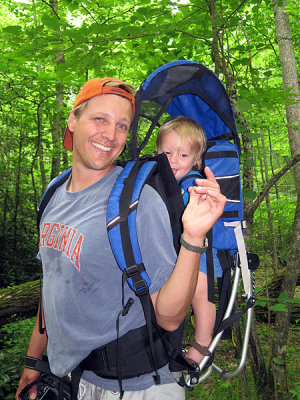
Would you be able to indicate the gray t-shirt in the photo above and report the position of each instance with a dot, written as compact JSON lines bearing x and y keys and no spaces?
{"x":82,"y":282}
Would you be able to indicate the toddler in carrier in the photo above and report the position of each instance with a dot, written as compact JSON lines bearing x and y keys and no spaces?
{"x":184,"y":142}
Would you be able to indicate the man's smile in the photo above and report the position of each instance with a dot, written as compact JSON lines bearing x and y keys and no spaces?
{"x":101,"y":147}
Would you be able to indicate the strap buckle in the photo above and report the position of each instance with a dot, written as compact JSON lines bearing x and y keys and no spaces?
{"x":139,"y":284}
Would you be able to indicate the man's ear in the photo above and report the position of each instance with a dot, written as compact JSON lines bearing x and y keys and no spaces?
{"x":71,"y":121}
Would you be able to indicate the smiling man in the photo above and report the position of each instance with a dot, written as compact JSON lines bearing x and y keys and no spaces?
{"x":82,"y":290}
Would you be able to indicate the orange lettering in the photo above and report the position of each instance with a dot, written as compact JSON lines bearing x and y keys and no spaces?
{"x":64,"y":239}
{"x":52,"y":236}
{"x":43,"y":234}
{"x":76,"y":252}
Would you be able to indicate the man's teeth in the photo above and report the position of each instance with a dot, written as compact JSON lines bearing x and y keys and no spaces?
{"x":101,"y":147}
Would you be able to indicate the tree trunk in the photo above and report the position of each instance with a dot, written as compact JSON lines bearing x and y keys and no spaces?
{"x":17,"y":195}
{"x":290,"y":82}
{"x":265,"y":178}
{"x":221,"y":65}
{"x":258,"y":366}
{"x":56,"y":124}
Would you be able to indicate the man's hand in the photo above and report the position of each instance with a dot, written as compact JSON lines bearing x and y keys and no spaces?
{"x":28,"y":376}
{"x":206,"y":205}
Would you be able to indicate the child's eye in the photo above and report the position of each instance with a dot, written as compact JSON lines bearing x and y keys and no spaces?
{"x":184,"y":155}
{"x":166,"y":152}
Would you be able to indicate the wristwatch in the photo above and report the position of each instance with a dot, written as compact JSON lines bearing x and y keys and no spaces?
{"x":195,"y":249}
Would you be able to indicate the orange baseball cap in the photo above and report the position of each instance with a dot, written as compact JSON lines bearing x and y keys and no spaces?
{"x":93,"y":88}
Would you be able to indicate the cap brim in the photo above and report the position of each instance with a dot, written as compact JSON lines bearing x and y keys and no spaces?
{"x":68,"y":140}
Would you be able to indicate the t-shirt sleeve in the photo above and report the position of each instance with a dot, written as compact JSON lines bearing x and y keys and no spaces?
{"x":155,"y":238}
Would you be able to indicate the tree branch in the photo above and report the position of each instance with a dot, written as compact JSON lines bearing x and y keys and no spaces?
{"x":270,"y":183}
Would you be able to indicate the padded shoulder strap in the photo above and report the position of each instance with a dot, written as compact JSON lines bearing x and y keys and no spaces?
{"x":121,"y":222}
{"x":54,"y":184}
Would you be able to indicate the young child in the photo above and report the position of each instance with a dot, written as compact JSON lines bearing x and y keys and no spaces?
{"x":184,"y":142}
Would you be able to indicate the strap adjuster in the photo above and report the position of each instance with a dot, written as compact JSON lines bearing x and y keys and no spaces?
{"x":139,"y":284}
{"x":140,"y":287}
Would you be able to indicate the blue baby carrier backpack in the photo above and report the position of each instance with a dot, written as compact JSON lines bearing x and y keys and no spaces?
{"x":178,"y":88}
{"x":187,"y":88}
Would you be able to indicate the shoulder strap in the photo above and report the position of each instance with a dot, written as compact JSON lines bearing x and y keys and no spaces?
{"x":121,"y":222}
{"x":187,"y":181}
{"x":54,"y":184}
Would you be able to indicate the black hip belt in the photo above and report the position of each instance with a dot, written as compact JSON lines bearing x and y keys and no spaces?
{"x":127,"y":357}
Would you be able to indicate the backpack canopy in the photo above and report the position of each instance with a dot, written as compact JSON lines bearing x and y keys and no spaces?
{"x":184,"y":88}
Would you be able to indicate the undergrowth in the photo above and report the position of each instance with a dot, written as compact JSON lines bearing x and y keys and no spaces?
{"x":15,"y":337}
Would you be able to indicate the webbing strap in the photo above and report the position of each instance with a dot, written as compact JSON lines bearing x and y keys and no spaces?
{"x":210,"y":269}
{"x":148,"y":311}
{"x":226,"y":323}
{"x":246,"y":274}
{"x":37,"y":364}
{"x":225,"y":287}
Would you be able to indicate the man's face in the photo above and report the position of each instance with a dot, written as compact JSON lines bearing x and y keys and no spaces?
{"x":180,"y":155}
{"x":100,"y":133}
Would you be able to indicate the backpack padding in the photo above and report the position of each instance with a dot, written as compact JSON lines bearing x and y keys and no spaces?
{"x":222,"y":157}
{"x":164,"y":182}
{"x":121,"y":216}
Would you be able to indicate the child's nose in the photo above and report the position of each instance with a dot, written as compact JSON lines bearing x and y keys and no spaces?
{"x":173,"y":158}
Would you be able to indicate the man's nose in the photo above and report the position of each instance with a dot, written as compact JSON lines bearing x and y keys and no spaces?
{"x":109,"y":132}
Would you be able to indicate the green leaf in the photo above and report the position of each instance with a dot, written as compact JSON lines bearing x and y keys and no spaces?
{"x":50,"y":21}
{"x":279,"y":307}
{"x":293,"y":301}
{"x":253,"y":135}
{"x":13,"y":29}
{"x":278,"y":361}
{"x":250,"y":194}
{"x":283,"y":297}
{"x":260,"y":303}
{"x":244,"y":105}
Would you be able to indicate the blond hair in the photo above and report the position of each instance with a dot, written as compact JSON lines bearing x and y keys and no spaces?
{"x":187,"y":129}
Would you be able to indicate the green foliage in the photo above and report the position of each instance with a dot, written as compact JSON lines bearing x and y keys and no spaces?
{"x":13,"y":347}
{"x":49,"y":49}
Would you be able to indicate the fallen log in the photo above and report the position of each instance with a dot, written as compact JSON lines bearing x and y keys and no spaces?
{"x":19,"y":302}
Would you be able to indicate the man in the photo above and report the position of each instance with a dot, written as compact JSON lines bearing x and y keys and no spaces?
{"x":82,"y":288}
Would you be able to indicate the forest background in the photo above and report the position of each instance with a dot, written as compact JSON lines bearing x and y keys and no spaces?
{"x":50,"y":48}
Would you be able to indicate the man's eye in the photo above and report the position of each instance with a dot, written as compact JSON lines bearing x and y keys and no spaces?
{"x":123,"y":127}
{"x":99,"y":119}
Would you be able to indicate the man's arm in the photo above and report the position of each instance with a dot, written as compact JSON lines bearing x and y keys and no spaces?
{"x":37,"y":345}
{"x":206,"y":205}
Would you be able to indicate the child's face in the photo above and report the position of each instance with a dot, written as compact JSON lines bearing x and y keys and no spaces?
{"x":180,"y":155}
